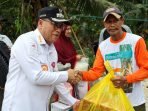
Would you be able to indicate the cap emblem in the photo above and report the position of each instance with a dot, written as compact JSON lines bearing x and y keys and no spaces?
{"x":60,"y":15}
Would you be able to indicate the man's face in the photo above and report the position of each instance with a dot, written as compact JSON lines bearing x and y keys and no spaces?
{"x":113,"y":25}
{"x":49,"y":30}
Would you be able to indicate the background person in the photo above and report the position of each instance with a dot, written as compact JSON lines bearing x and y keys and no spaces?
{"x":5,"y":45}
{"x":67,"y":54}
{"x":65,"y":48}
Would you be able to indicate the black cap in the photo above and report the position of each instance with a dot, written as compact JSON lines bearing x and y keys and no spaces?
{"x":52,"y":13}
{"x":113,"y":11}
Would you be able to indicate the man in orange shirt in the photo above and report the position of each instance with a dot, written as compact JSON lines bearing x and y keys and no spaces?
{"x":128,"y":56}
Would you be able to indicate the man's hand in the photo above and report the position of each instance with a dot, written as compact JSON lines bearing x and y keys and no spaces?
{"x":73,"y":76}
{"x":119,"y":81}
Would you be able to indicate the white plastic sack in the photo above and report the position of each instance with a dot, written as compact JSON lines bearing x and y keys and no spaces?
{"x":82,"y":65}
{"x":57,"y":106}
{"x":82,"y":87}
{"x":62,"y":67}
{"x":69,"y":88}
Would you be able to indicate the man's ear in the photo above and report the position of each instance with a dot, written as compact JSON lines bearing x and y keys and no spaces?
{"x":122,"y":21}
{"x":40,"y":23}
{"x":104,"y":24}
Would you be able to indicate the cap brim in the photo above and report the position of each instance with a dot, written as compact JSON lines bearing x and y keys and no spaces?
{"x":114,"y":14}
{"x":59,"y":20}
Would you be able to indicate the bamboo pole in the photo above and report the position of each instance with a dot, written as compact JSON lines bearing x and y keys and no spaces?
{"x":78,"y":42}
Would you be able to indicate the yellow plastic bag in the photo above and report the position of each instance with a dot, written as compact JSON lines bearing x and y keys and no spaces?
{"x":103,"y":96}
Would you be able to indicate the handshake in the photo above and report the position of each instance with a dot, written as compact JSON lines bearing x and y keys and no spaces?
{"x":74,"y":76}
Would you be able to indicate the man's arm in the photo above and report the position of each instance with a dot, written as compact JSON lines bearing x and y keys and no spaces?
{"x":27,"y":57}
{"x":97,"y":70}
{"x":141,"y":55}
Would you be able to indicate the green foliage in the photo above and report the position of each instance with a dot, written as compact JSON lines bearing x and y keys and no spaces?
{"x":24,"y":20}
{"x":20,"y":15}
{"x":9,"y":11}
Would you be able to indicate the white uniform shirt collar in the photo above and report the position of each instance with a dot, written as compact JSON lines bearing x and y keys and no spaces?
{"x":40,"y":38}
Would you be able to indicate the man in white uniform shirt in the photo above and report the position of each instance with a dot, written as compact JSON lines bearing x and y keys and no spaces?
{"x":33,"y":73}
